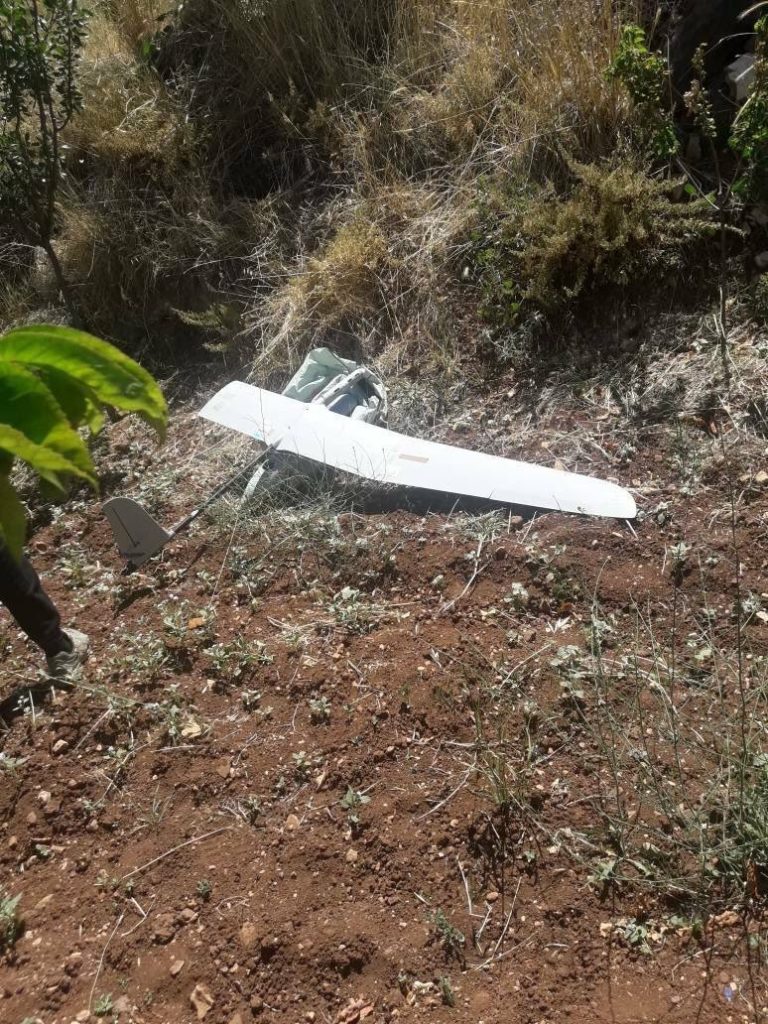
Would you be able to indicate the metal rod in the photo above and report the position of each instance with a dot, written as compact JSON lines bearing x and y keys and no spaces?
{"x":221,"y":490}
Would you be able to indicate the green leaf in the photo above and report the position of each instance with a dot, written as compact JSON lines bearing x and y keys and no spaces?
{"x":77,"y":400}
{"x":13,"y":523}
{"x":27,"y":406}
{"x":113,"y":377}
{"x":50,"y":464}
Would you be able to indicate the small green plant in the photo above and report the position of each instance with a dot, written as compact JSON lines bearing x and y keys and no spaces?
{"x":106,"y":882}
{"x":10,"y":923}
{"x":604,"y":874}
{"x":302,"y":765}
{"x":10,"y":765}
{"x":646,"y":78}
{"x":749,"y":136}
{"x":446,"y":992}
{"x":636,"y":933}
{"x":233,"y":659}
{"x":103,"y":1005}
{"x":320,"y":710}
{"x":351,"y":611}
{"x":251,"y":808}
{"x":250,"y":699}
{"x":450,"y":938}
{"x":155,"y":812}
{"x":203,"y":890}
{"x":677,"y":556}
{"x":697,"y":100}
{"x":352,"y":801}
{"x":518,"y":597}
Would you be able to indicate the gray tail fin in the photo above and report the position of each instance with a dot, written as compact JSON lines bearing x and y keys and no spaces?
{"x":138,"y":536}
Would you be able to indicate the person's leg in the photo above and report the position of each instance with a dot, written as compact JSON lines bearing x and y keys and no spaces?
{"x":22,"y":594}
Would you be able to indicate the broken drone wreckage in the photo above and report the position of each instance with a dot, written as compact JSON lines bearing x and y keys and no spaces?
{"x":329,"y":414}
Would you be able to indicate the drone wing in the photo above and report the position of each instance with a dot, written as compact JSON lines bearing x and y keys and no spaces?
{"x":261,"y":414}
{"x":385,"y":456}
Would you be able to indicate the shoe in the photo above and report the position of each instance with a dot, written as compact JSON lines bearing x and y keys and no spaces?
{"x":66,"y":666}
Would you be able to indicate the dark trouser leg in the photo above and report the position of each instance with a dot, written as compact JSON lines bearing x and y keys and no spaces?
{"x":22,"y":594}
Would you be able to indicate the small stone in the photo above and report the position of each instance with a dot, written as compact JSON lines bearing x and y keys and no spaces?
{"x":164,"y":930}
{"x":292,"y":823}
{"x":188,"y":916}
{"x":121,"y":1006}
{"x":31,"y":818}
{"x":256,"y":1004}
{"x":43,"y":903}
{"x":43,"y":796}
{"x":83,"y":1016}
{"x":73,"y":963}
{"x":249,"y":935}
{"x":492,"y":897}
{"x":13,"y":842}
{"x":176,"y":968}
{"x":352,"y":857}
{"x":202,"y":1000}
{"x":60,"y":747}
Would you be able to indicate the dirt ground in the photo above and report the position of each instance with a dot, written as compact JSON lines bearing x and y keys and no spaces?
{"x":335,"y":767}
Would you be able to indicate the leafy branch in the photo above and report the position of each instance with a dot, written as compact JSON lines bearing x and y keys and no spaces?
{"x":40,"y":45}
{"x":54,"y":380}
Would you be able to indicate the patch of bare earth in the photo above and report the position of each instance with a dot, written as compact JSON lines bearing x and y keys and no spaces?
{"x":403,"y":766}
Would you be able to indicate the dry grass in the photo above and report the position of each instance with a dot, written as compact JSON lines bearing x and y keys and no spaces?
{"x":128,"y":112}
{"x":369,"y":125}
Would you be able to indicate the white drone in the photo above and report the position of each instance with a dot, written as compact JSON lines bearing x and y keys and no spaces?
{"x":331,"y":430}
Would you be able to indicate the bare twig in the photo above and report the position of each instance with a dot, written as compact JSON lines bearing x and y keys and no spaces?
{"x":466,"y":886}
{"x":101,"y":960}
{"x":168,"y":853}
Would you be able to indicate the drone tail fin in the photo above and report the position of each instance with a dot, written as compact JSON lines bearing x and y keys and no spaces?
{"x":138,"y":536}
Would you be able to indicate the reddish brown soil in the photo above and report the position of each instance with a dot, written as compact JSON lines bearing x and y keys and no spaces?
{"x":313,"y":917}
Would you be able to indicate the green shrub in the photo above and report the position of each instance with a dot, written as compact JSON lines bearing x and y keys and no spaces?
{"x":10,"y":922}
{"x":646,"y":78}
{"x":40,"y":48}
{"x":614,"y":226}
{"x":749,"y":137}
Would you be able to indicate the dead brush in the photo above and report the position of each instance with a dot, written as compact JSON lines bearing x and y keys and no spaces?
{"x":128,"y":111}
{"x":613,"y":225}
{"x":137,"y":20}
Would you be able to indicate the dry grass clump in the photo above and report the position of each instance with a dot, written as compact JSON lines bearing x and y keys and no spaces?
{"x":343,"y":280}
{"x":137,"y":20}
{"x":139,"y":257}
{"x":128,"y":111}
{"x":385,"y":272}
{"x":399,"y":86}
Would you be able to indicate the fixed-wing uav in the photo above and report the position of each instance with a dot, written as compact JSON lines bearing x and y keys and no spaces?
{"x":316,"y":432}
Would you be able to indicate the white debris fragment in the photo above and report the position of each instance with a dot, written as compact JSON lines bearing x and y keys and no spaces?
{"x":740,"y":76}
